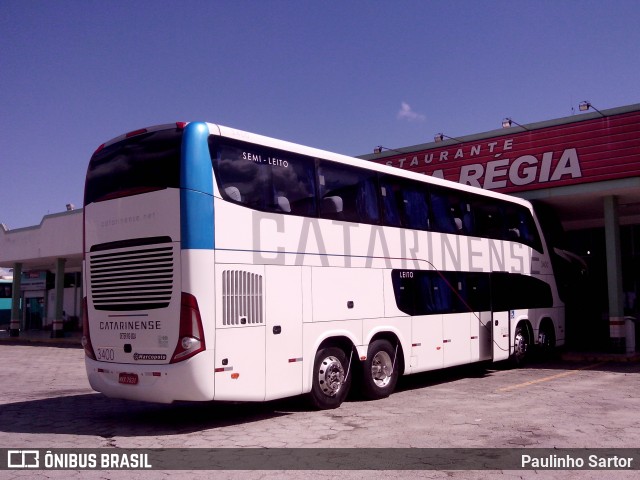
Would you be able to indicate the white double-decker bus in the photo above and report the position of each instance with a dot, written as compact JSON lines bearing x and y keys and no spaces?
{"x":223,"y":265}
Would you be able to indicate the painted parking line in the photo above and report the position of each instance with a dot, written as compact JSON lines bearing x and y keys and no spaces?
{"x":549,"y":378}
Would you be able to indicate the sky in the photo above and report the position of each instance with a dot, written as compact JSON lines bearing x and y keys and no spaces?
{"x":343,"y":76}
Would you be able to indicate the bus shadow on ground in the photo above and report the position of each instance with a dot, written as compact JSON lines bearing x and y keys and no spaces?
{"x":93,"y":414}
{"x":537,"y":361}
{"x":443,"y":376}
{"x":611,"y":364}
{"x":76,"y":412}
{"x":96,"y":415}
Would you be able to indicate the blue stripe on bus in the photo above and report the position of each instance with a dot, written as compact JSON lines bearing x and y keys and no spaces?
{"x":196,"y":189}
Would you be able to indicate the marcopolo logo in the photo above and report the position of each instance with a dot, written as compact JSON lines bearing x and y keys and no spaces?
{"x":149,"y":356}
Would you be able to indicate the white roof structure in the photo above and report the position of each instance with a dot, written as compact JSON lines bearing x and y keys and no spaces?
{"x":59,"y":235}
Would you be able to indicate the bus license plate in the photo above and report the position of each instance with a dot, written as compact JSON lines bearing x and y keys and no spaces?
{"x":128,"y":378}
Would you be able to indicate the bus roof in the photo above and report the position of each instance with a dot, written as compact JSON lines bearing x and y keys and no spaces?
{"x":314,"y":152}
{"x":223,"y":131}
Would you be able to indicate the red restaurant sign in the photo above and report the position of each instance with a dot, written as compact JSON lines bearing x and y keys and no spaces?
{"x":594,"y":150}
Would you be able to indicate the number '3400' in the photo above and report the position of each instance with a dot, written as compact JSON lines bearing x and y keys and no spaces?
{"x":106,"y":354}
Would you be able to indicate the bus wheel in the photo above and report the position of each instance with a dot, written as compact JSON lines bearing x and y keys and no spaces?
{"x":547,"y":341}
{"x":380,"y":370}
{"x":520,"y":347}
{"x":331,"y":378}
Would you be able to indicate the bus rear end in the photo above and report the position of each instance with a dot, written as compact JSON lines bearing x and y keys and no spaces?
{"x":148,"y":242}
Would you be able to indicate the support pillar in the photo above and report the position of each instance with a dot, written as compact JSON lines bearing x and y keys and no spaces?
{"x":16,"y":297}
{"x":614,"y":274}
{"x":58,"y":322}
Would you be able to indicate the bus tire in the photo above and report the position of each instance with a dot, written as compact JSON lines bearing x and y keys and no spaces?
{"x":547,"y":341}
{"x":331,"y":378}
{"x":380,"y":370}
{"x":521,"y":345}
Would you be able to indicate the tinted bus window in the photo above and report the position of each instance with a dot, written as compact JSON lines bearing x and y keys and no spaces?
{"x":139,"y":164}
{"x":422,"y":292}
{"x":521,"y":226}
{"x":451,"y":212}
{"x":404,"y":203}
{"x":264,"y":178}
{"x":428,"y":292}
{"x":513,"y":291}
{"x":489,"y":218}
{"x":347,"y":193}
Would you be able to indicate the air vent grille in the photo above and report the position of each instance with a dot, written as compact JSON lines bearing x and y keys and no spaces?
{"x":241,"y":298}
{"x":135,"y":279}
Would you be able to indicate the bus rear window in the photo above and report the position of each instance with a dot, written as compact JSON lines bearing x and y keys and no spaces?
{"x":142,"y":163}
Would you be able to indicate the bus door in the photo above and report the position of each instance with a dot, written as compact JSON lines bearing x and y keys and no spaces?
{"x":500,"y":315}
{"x":500,"y":333}
{"x":449,"y":296}
{"x":283,"y":360}
{"x":482,"y":332}
{"x":478,"y":300}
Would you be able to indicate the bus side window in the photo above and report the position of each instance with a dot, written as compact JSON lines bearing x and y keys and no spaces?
{"x":367,"y":200}
{"x":239,"y":180}
{"x":390,"y":210}
{"x":443,"y":217}
{"x":293,"y":185}
{"x":516,"y":229}
{"x":347,"y":193}
{"x":265,"y":179}
{"x":490,"y":219}
{"x":521,"y":227}
{"x":405,"y":203}
{"x":478,"y":291}
{"x":416,"y":208}
{"x":439,"y":295}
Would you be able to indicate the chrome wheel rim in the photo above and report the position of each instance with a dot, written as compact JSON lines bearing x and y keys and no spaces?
{"x":520,"y":346}
{"x":330,"y":376}
{"x":381,"y":369}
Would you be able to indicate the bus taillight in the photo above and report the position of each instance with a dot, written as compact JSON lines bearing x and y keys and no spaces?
{"x":191,"y":337}
{"x":136,"y":132}
{"x":99,"y":148}
{"x":86,"y":336}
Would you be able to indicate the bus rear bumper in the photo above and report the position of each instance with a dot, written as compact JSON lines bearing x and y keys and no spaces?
{"x":190,"y":380}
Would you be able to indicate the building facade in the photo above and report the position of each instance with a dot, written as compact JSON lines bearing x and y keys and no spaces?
{"x":46,"y":260}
